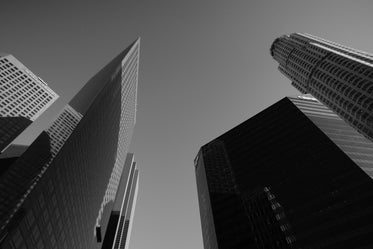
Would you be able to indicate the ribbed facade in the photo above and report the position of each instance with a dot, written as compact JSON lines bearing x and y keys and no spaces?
{"x":23,"y":98}
{"x":120,"y":223}
{"x":123,"y":232}
{"x":74,"y":193}
{"x":338,"y":76}
{"x":279,"y":181}
{"x":353,"y":144}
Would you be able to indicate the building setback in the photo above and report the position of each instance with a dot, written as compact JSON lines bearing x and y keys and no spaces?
{"x":279,"y":181}
{"x":23,"y":98}
{"x":76,"y":180}
{"x":120,"y":222}
{"x":338,"y":76}
{"x":22,"y":173}
{"x":10,"y":155}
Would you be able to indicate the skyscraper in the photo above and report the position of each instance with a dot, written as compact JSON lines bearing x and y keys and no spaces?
{"x":22,"y":173}
{"x":121,"y":217}
{"x":286,"y":178}
{"x":23,"y":98}
{"x":77,"y":164}
{"x":338,"y":76}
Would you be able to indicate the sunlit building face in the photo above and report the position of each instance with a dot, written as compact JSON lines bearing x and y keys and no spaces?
{"x":338,"y":76}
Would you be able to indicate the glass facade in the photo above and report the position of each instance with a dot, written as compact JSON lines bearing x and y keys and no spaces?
{"x":338,"y":76}
{"x":25,"y":171}
{"x":289,"y":186}
{"x":75,"y":192}
{"x":352,"y":143}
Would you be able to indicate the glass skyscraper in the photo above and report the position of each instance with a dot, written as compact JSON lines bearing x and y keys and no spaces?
{"x":76,"y":165}
{"x":22,"y":173}
{"x":23,"y":98}
{"x":292,"y":176}
{"x":338,"y":76}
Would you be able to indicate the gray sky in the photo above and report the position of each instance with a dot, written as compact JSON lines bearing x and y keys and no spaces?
{"x":204,"y":68}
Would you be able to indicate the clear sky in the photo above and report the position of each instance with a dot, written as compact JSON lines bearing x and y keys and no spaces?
{"x":204,"y":68}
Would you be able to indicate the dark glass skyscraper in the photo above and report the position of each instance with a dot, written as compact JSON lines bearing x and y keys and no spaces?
{"x":338,"y":76}
{"x":289,"y":177}
{"x":75,"y":165}
{"x":352,"y":143}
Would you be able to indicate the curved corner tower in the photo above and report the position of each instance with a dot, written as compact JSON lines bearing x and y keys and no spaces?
{"x":338,"y":76}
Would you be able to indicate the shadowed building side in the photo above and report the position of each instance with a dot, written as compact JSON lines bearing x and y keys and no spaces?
{"x":351,"y":142}
{"x":218,"y":191}
{"x":17,"y":180}
{"x":10,"y":129}
{"x":278,"y":181}
{"x":25,"y":171}
{"x":11,"y":154}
